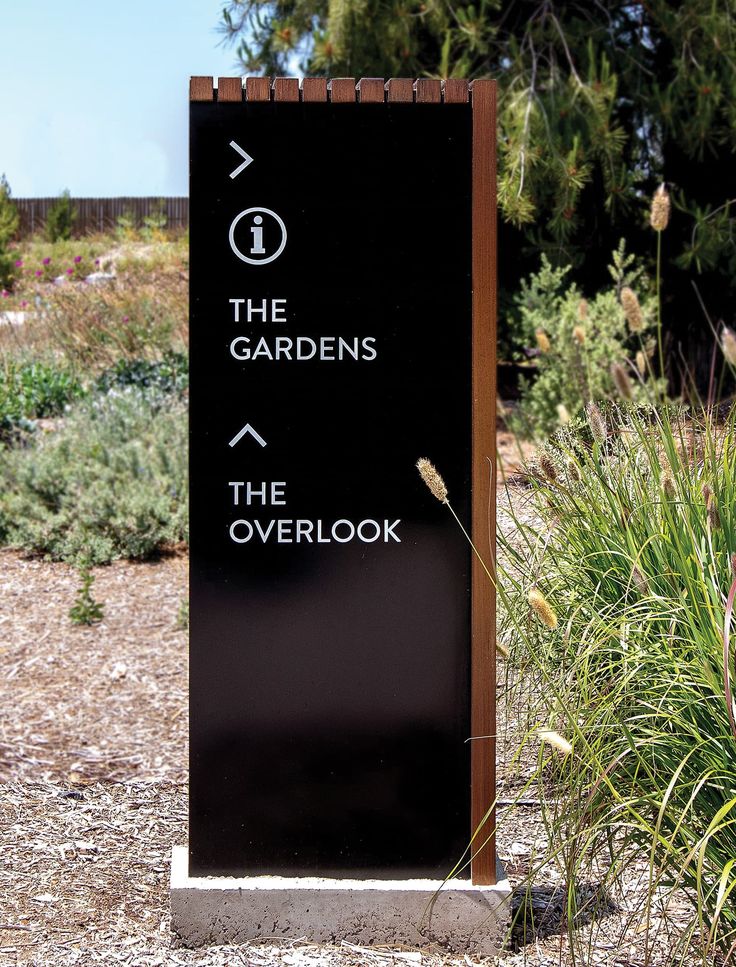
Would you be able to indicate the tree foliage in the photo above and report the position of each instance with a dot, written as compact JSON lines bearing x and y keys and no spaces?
{"x":598,"y":103}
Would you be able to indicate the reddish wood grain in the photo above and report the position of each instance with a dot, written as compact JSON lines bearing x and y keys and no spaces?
{"x":428,"y":91}
{"x":342,"y":90}
{"x":483,"y":596}
{"x":257,"y":89}
{"x":314,"y":89}
{"x":400,"y":90}
{"x":455,"y":91}
{"x":201,"y":89}
{"x":229,"y":89}
{"x":371,"y":90}
{"x":286,"y":89}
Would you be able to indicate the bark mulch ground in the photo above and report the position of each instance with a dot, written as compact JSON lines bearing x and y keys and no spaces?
{"x":93,"y":751}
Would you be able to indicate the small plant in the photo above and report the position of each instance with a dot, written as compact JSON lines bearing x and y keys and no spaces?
{"x":182,"y":618}
{"x":32,"y":391}
{"x":126,"y":229}
{"x":154,"y":224}
{"x":86,"y":610}
{"x":60,"y":219}
{"x":587,"y":349}
{"x":9,"y":221}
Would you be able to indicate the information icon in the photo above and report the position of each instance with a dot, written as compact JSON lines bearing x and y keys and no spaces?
{"x":261,"y":234}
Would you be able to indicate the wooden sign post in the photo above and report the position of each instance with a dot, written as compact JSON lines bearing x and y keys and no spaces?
{"x":342,"y":325}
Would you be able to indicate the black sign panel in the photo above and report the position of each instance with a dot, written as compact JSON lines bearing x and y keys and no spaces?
{"x":330,"y":607}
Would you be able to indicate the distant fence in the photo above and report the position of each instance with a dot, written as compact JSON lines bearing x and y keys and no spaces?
{"x":102,"y":214}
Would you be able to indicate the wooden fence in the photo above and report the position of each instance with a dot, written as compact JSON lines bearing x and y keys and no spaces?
{"x":102,"y":214}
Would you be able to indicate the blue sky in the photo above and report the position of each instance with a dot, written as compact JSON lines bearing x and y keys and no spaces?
{"x":93,"y":97}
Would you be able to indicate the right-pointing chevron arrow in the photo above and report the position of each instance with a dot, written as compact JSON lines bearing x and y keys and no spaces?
{"x":243,"y":154}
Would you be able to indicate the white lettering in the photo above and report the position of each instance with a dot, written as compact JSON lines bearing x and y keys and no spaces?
{"x":236,"y":303}
{"x":240,"y":540}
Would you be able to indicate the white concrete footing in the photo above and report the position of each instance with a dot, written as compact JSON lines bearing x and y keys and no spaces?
{"x":453,"y":914}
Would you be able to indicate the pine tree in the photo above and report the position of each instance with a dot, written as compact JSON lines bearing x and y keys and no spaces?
{"x":598,"y":104}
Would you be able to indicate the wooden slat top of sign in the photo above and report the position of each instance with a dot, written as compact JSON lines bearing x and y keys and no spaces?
{"x":342,"y":90}
{"x":455,"y":207}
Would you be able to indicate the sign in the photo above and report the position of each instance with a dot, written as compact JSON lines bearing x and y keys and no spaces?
{"x":342,"y":314}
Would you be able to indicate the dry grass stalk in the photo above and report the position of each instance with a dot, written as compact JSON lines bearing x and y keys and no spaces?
{"x":543,"y":341}
{"x":622,"y":381}
{"x":660,"y":214}
{"x":430,"y":475}
{"x":632,"y":309}
{"x":597,"y":423}
{"x":542,"y":608}
{"x":557,"y":741}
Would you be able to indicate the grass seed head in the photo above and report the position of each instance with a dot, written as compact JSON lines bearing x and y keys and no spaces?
{"x":668,"y":485}
{"x":542,"y":608}
{"x":660,"y":214}
{"x":632,"y":309}
{"x":543,"y":341}
{"x":563,"y":414}
{"x":579,"y":335}
{"x":432,"y":479}
{"x":547,"y":466}
{"x":573,"y":471}
{"x":641,"y":363}
{"x":639,"y":581}
{"x":557,"y":741}
{"x":728,"y":345}
{"x":621,"y":379}
{"x":597,"y":423}
{"x":714,"y":518}
{"x":583,"y":310}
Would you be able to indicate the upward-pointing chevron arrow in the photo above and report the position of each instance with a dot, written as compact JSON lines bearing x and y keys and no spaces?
{"x":241,"y":433}
{"x":243,"y":154}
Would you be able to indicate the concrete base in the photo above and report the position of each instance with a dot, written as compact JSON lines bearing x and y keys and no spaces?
{"x":455,"y":914}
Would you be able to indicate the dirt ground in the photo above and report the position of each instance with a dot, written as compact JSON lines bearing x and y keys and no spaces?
{"x":93,"y":751}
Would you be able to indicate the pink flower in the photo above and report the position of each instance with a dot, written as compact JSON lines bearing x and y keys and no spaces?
{"x":23,"y":305}
{"x":77,"y":259}
{"x":39,"y":273}
{"x":70,"y":271}
{"x":126,"y":319}
{"x":5,"y":294}
{"x":46,"y":261}
{"x":19,"y":264}
{"x":97,"y":261}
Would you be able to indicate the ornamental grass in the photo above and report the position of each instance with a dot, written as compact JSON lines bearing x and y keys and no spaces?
{"x":635,"y":546}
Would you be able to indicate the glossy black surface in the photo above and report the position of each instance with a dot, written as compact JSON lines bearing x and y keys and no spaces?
{"x":330,"y":682}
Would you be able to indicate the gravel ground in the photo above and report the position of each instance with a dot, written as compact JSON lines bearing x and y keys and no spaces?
{"x":93,"y":748}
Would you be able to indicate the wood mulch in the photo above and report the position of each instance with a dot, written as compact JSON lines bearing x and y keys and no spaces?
{"x":93,"y":753}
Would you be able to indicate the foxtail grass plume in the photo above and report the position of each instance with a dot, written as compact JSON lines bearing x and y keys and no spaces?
{"x":641,"y":363}
{"x":622,"y":381}
{"x":547,"y":466}
{"x":578,"y":334}
{"x":563,"y":414}
{"x":543,"y":341}
{"x":542,"y":608}
{"x":573,"y":471}
{"x":660,"y":214}
{"x":728,"y":345}
{"x":583,"y":310}
{"x":711,"y":508}
{"x":632,"y":309}
{"x":639,"y":580}
{"x":432,"y":479}
{"x":557,"y":741}
{"x":668,"y":485}
{"x":502,"y":649}
{"x":597,"y":423}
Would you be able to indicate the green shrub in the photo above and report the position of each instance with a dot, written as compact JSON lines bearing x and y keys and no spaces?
{"x":167,"y":375}
{"x":32,"y":391}
{"x":9,"y":221}
{"x":579,"y":342}
{"x":111,"y":483}
{"x":60,"y":219}
{"x":634,"y":551}
{"x":86,"y":610}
